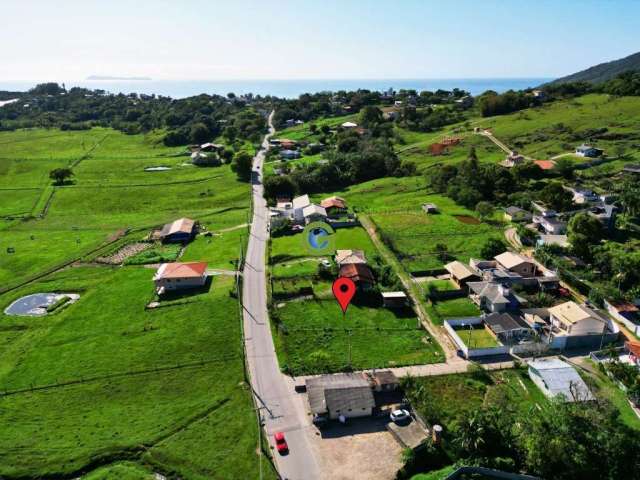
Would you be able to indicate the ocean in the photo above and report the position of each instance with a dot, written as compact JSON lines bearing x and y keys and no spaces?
{"x":288,"y":88}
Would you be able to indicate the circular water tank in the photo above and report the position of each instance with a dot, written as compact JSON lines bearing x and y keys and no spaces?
{"x":436,"y":433}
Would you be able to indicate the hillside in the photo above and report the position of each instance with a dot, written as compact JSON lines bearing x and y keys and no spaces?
{"x":604,"y":71}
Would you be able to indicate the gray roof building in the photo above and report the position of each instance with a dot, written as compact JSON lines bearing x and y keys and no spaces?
{"x":493,"y":297}
{"x":555,"y":377}
{"x":343,"y":394}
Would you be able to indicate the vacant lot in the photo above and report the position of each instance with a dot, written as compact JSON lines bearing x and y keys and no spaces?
{"x":314,"y":337}
{"x":443,"y":399}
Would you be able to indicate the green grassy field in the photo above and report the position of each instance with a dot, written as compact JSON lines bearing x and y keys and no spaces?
{"x":455,"y":308}
{"x":110,"y":193}
{"x":395,"y":205}
{"x":478,"y":337}
{"x":314,"y":337}
{"x":168,"y":380}
{"x":137,"y":390}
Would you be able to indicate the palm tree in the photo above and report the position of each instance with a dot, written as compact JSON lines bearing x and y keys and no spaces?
{"x":470,"y":434}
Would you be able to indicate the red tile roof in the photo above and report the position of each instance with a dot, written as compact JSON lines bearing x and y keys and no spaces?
{"x":333,"y":202}
{"x":357,"y":272}
{"x":545,"y":164}
{"x":181,"y":270}
{"x":633,"y":347}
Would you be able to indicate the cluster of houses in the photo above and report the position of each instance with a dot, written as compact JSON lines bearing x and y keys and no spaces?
{"x":301,"y":211}
{"x":287,"y":149}
{"x":514,"y":158}
{"x":207,"y":154}
{"x":552,"y":226}
{"x":493,"y":286}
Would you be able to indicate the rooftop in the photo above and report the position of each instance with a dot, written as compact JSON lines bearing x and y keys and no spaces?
{"x":342,"y":390}
{"x":313,"y":209}
{"x":459,"y":270}
{"x":560,"y":378}
{"x":571,"y":312}
{"x":357,"y":272}
{"x":350,"y":256}
{"x":505,"y":322}
{"x":301,"y":201}
{"x":333,"y":202}
{"x":181,"y":270}
{"x":511,"y":260}
{"x":182,"y":225}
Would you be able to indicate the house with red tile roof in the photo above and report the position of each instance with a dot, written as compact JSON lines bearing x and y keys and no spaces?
{"x":180,"y":276}
{"x":545,"y":164}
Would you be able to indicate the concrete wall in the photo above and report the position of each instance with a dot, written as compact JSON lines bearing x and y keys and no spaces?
{"x":174,"y":284}
{"x":633,"y":327}
{"x":354,"y":413}
{"x":449,"y":326}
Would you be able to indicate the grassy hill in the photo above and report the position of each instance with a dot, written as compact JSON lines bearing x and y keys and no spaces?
{"x":603,"y":71}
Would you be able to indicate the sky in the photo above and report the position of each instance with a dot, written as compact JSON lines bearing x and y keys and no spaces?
{"x":45,"y":40}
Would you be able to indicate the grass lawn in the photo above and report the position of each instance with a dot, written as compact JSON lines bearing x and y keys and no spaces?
{"x":219,"y":251}
{"x":159,"y":253}
{"x":168,"y":379}
{"x":293,"y":246}
{"x":477,"y":337}
{"x":120,"y":471}
{"x":455,"y":308}
{"x":441,"y":285}
{"x":394,"y":204}
{"x":442,"y":399}
{"x":313,"y":337}
{"x":110,"y":192}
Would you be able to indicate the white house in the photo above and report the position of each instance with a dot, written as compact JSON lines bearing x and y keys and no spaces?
{"x":180,"y":276}
{"x":573,"y":319}
{"x":314,"y":213}
{"x":299,"y":204}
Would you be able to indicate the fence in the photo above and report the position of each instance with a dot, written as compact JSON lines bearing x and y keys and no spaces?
{"x":471,"y":352}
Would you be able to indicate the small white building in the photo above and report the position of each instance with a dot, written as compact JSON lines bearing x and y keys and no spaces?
{"x":349,"y":125}
{"x":555,"y":377}
{"x":180,"y":276}
{"x":314,"y":213}
{"x":298,"y":205}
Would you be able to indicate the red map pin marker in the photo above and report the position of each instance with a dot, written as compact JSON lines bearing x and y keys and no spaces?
{"x":344,"y":289}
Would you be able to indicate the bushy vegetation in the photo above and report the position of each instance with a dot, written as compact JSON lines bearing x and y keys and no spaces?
{"x":196,"y":119}
{"x":502,"y":420}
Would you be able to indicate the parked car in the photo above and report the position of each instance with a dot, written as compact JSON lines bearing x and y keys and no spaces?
{"x":281,"y":443}
{"x":326,"y":263}
{"x":400,"y":416}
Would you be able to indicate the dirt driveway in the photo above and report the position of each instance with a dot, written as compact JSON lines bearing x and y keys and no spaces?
{"x":361,"y":450}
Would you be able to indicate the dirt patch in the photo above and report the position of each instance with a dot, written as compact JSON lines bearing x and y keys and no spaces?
{"x":125,"y":252}
{"x":362,"y":449}
{"x":467,"y":219}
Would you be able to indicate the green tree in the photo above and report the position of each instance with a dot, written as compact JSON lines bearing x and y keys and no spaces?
{"x":370,"y":116}
{"x":564,"y":167}
{"x":554,"y":195}
{"x":241,"y":165}
{"x":583,"y":232}
{"x":199,"y":133}
{"x":493,"y":247}
{"x":484,"y":210}
{"x":60,"y":175}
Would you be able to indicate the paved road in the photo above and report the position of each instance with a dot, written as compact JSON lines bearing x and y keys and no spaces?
{"x":282,"y":409}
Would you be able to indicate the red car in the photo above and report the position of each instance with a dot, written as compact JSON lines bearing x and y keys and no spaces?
{"x":281,"y":443}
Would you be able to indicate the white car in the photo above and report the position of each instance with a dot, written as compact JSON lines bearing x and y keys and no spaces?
{"x":326,"y":263}
{"x":399,"y":416}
